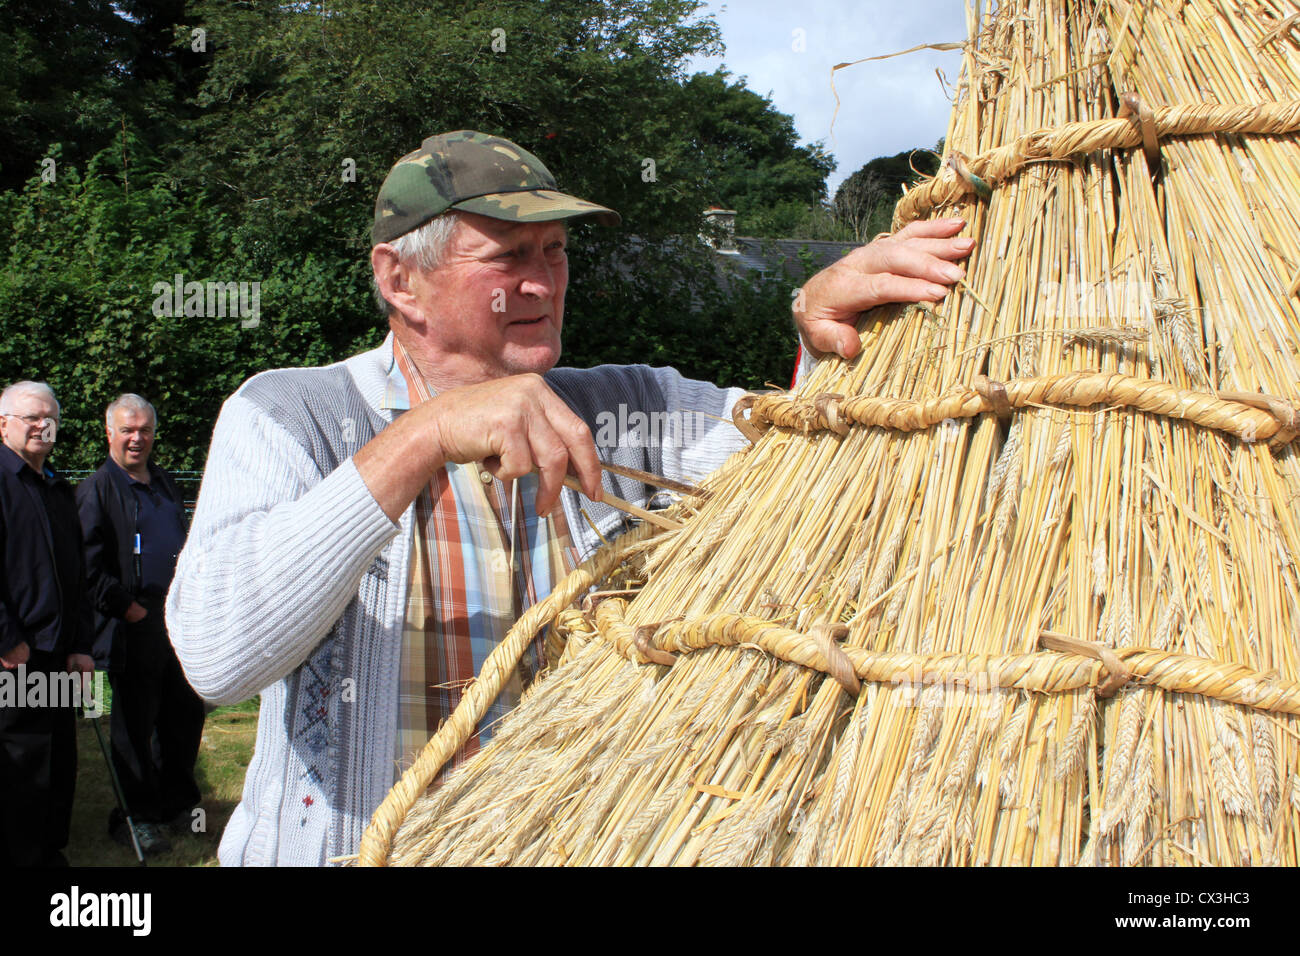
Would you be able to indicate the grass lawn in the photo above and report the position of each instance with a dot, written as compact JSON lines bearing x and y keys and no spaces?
{"x":224,"y":755}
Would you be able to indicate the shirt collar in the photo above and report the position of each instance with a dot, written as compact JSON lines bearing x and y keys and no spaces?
{"x":130,"y":478}
{"x":397,"y":393}
{"x":10,"y":460}
{"x":404,"y":388}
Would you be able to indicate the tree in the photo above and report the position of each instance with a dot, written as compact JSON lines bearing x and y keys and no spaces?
{"x":747,"y":153}
{"x":859,"y":202}
{"x":293,"y":90}
{"x":865,"y":201}
{"x":59,"y":78}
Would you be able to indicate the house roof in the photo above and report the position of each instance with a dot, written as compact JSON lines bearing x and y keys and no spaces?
{"x":769,"y":255}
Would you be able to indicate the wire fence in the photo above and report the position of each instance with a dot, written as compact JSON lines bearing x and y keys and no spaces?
{"x":187,"y":481}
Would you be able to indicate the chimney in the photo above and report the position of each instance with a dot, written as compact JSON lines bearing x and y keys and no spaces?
{"x":725,"y":219}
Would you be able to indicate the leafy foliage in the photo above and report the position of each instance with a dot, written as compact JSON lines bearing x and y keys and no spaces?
{"x":673,"y":303}
{"x":41,"y":99}
{"x":746,"y":150}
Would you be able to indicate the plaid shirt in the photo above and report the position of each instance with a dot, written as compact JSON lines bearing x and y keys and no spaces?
{"x":478,"y":561}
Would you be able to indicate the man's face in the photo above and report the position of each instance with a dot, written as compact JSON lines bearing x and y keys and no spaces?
{"x":30,"y":428}
{"x":495,"y":305}
{"x":130,"y":437}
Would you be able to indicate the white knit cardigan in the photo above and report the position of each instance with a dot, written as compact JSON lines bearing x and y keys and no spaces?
{"x":293,"y":581}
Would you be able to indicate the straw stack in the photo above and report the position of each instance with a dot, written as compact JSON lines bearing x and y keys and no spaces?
{"x":1017,"y":586}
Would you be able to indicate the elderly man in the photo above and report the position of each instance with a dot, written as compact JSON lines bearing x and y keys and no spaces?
{"x":133,"y":521}
{"x":367,"y":532}
{"x":44,"y":629}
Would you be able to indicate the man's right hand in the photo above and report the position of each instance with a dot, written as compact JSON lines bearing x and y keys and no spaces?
{"x":136,"y":612}
{"x":15,"y":656}
{"x":512,"y":425}
{"x":916,"y":264}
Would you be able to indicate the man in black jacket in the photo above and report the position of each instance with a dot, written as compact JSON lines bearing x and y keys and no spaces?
{"x":133,"y":520}
{"x":45,"y":633}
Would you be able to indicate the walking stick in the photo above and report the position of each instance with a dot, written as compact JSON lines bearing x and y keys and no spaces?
{"x":117,"y":790}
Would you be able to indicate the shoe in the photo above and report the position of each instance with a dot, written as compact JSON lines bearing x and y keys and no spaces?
{"x":182,"y":822}
{"x":152,"y":840}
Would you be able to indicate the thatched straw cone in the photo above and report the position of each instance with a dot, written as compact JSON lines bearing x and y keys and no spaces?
{"x":1057,"y":520}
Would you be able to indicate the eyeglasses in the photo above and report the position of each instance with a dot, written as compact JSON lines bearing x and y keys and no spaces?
{"x":32,"y":420}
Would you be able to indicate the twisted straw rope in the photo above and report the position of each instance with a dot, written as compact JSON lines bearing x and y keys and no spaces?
{"x":377,"y":841}
{"x":1001,"y":163}
{"x":1046,"y":671}
{"x":1248,"y":416}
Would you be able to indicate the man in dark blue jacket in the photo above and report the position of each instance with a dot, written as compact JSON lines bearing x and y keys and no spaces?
{"x":45,"y":632}
{"x":133,"y":520}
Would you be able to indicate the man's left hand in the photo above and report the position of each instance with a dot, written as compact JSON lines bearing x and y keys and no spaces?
{"x":84,"y":665}
{"x":915,"y":264}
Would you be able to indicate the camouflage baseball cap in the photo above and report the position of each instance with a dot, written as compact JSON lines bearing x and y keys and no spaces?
{"x":477,"y":173}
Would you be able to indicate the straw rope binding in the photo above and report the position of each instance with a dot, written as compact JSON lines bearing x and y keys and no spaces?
{"x":997,"y":165}
{"x":1250,"y":417}
{"x":1053,"y":673}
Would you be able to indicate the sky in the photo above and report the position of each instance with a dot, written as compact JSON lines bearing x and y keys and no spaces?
{"x":885,"y":106}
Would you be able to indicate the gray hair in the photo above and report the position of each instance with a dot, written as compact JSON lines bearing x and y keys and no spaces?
{"x":26,"y":388}
{"x":423,"y":247}
{"x":131,"y":402}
